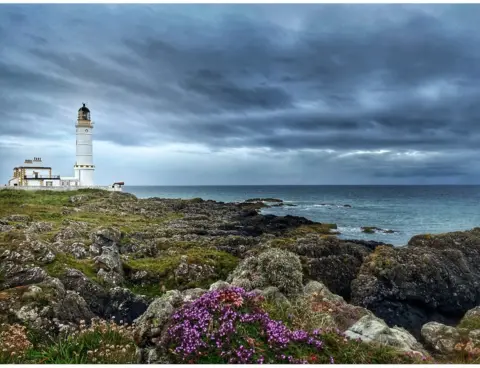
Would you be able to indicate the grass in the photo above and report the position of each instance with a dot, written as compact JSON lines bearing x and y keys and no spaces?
{"x":63,"y":261}
{"x":103,"y":343}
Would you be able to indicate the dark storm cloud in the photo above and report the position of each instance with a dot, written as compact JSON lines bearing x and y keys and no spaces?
{"x":286,"y":78}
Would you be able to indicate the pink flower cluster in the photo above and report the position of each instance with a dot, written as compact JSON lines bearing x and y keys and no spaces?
{"x":220,"y":325}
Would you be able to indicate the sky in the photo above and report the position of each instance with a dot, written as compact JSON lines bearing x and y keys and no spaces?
{"x":245,"y":94}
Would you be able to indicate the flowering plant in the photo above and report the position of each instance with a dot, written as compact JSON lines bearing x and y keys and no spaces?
{"x":229,"y":326}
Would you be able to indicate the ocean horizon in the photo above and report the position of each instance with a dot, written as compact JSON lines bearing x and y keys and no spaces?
{"x":407,"y":210}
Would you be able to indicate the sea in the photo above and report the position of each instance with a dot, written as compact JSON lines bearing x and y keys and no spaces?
{"x":407,"y":210}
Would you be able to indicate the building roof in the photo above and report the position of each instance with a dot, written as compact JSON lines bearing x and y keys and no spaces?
{"x":32,"y":167}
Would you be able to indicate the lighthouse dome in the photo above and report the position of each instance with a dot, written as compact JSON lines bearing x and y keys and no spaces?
{"x":83,"y":109}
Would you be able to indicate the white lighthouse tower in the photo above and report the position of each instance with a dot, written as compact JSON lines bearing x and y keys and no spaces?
{"x":84,"y":167}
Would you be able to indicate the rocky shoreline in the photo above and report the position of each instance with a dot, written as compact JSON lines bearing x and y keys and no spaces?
{"x":67,"y":257}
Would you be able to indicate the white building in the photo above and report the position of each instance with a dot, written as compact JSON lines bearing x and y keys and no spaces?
{"x":32,"y":174}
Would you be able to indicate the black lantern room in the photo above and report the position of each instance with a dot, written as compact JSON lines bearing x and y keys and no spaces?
{"x":83,"y":113}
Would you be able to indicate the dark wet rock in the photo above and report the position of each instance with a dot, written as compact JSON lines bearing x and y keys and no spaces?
{"x":273,"y":200}
{"x":124,"y":305}
{"x":370,"y":244}
{"x":259,"y":224}
{"x":434,"y":278}
{"x":374,"y":229}
{"x":96,"y":296}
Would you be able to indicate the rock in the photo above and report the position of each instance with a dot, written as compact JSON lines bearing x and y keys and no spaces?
{"x":78,"y":198}
{"x":442,"y":339}
{"x":274,"y":295}
{"x":72,"y":308}
{"x":433,"y":278}
{"x":374,"y":229}
{"x":124,"y":305}
{"x":105,"y":237}
{"x":259,"y":224}
{"x":273,"y":267}
{"x":20,"y":276}
{"x":40,"y":227}
{"x":191,"y":272}
{"x":109,"y":260}
{"x":19,"y":218}
{"x":331,"y":261}
{"x":95,"y":295}
{"x":45,"y":306}
{"x":264,"y":200}
{"x":192,"y":294}
{"x":73,"y":230}
{"x":372,"y":329}
{"x":320,"y":290}
{"x":76,"y":249}
{"x":219,"y":285}
{"x":150,"y":324}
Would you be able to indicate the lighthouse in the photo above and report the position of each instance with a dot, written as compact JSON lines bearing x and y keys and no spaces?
{"x":84,"y":167}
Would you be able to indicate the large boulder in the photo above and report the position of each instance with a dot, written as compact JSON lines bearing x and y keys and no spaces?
{"x":274,"y":267}
{"x":434,"y":278}
{"x":95,"y":295}
{"x":372,"y":329}
{"x":330,"y":260}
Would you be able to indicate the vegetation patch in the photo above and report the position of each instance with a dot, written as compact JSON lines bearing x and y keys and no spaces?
{"x":230,"y":326}
{"x":102,"y":343}
{"x":160,"y":270}
{"x":63,"y":261}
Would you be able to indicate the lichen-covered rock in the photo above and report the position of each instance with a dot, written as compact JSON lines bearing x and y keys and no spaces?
{"x":44,"y":306}
{"x":72,"y":230}
{"x":109,"y":265}
{"x":273,"y":295}
{"x":219,"y":285}
{"x":335,"y":311}
{"x":19,"y":218}
{"x":442,"y":339}
{"x":21,"y":276}
{"x":192,"y":294}
{"x":372,"y":329}
{"x":40,"y":227}
{"x":273,"y":267}
{"x":76,"y":249}
{"x":190,"y":272}
{"x":105,"y":237}
{"x":448,"y":340}
{"x":319,"y":289}
{"x":150,"y":324}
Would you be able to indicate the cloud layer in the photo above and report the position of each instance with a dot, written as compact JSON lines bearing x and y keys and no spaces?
{"x":246,"y":94}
